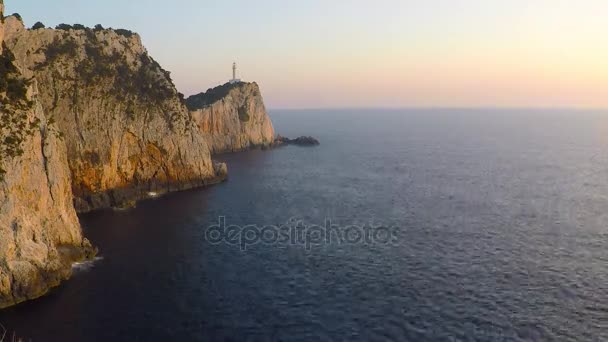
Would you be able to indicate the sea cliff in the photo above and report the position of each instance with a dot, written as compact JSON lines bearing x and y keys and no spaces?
{"x":88,"y":121}
{"x":232,"y":117}
{"x":127,"y":129}
{"x":40,"y":235}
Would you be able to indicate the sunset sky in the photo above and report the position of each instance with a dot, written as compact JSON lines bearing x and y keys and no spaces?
{"x":362,"y":53}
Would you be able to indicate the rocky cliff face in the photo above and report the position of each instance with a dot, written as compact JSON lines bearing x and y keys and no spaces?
{"x":127,"y":129}
{"x":1,"y":24}
{"x":40,"y":235}
{"x":232,"y":117}
{"x":88,"y":120}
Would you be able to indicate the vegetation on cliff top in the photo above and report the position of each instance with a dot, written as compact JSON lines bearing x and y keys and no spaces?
{"x":18,"y":16}
{"x":209,"y":97}
{"x":38,"y":26}
{"x":95,"y":65}
{"x":98,"y":27}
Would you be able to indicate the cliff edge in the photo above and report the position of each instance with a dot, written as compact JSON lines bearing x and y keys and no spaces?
{"x":89,"y":120}
{"x":232,"y":117}
{"x":127,"y":129}
{"x":40,"y":236}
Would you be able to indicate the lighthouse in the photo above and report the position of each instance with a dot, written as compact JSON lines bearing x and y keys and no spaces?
{"x":234,"y":80}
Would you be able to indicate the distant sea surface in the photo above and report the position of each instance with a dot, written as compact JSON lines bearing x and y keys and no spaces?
{"x":500,"y":233}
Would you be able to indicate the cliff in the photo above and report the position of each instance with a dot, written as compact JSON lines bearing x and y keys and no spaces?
{"x":127,"y":129}
{"x":89,"y":120}
{"x":232,"y":117}
{"x":40,"y":235}
{"x":1,"y":25}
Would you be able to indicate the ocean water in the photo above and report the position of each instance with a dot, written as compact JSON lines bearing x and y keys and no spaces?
{"x":485,"y":225}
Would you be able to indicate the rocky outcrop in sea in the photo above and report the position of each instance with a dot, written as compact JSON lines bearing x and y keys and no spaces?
{"x":300,"y":141}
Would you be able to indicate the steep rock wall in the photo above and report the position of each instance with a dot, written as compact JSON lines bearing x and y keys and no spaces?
{"x":127,"y":129}
{"x":1,"y":24}
{"x":40,"y":235}
{"x":232,"y":117}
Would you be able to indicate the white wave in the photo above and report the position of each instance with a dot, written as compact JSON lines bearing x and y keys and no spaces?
{"x":86,"y":265}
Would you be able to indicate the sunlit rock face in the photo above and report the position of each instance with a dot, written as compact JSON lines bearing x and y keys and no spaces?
{"x":126,"y":128}
{"x":232,"y":117}
{"x":40,"y":236}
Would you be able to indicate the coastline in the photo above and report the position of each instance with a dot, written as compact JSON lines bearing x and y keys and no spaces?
{"x":128,"y":196}
{"x":48,"y":279}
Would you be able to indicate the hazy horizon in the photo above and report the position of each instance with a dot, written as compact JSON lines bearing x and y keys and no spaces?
{"x":353,"y":54}
{"x":447,"y":108}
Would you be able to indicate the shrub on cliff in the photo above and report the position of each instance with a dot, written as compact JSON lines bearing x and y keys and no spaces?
{"x":64,"y":27}
{"x":98,"y":27}
{"x":124,"y":33}
{"x":79,"y":27}
{"x":211,"y":96}
{"x":59,"y":47}
{"x":18,"y":16}
{"x":143,"y":81}
{"x":182,"y":98}
{"x":38,"y":26}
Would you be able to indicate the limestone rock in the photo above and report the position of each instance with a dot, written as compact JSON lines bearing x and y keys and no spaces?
{"x":1,"y":24}
{"x":221,"y":169}
{"x":40,"y":235}
{"x":300,"y":141}
{"x":127,"y":129}
{"x":232,"y":117}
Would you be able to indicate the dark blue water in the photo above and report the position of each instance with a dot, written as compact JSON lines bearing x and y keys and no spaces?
{"x":500,"y":233}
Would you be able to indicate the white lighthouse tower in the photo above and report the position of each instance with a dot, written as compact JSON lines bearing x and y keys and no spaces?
{"x":234,"y":80}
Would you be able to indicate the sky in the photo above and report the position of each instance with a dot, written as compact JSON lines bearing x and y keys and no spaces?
{"x":363,"y":53}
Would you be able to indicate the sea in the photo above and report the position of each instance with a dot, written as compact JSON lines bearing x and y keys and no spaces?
{"x":403,"y":225}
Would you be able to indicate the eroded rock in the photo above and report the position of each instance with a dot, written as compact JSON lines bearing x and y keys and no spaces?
{"x":301,"y":141}
{"x":127,"y":129}
{"x":232,"y":117}
{"x":40,"y":236}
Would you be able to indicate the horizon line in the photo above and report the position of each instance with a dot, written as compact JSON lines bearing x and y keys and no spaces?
{"x":537,"y":108}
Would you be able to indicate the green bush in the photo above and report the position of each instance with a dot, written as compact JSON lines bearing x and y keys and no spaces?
{"x":64,"y":27}
{"x":38,"y":26}
{"x":211,"y":96}
{"x":124,"y":33}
